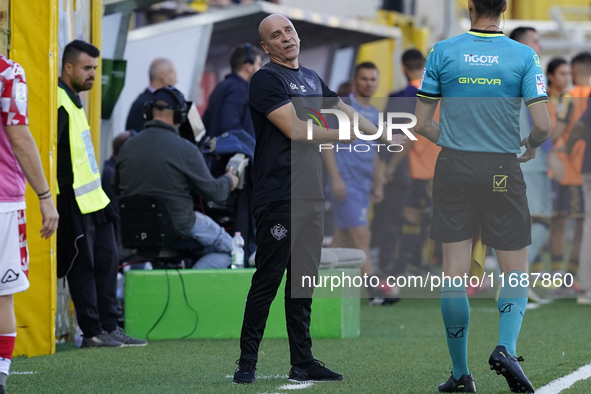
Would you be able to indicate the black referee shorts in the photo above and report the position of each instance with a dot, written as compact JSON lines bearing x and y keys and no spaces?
{"x":475,"y":191}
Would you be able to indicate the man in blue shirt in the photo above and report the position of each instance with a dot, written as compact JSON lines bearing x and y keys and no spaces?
{"x":535,"y":172}
{"x":162,"y":73}
{"x":353,"y":177}
{"x":483,"y":77}
{"x":228,"y":104}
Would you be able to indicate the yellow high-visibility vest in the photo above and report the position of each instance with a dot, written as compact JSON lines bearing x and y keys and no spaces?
{"x":87,"y":178}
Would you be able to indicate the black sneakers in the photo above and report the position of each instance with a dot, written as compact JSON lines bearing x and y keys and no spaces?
{"x":508,"y":366}
{"x":120,"y":336}
{"x":381,"y":301}
{"x":317,"y":372}
{"x":377,"y":297}
{"x":465,"y":384}
{"x":101,"y":340}
{"x":245,"y":372}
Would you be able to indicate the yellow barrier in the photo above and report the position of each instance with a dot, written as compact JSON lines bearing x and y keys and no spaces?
{"x":540,"y":9}
{"x":381,"y":54}
{"x":34,"y":46}
{"x":537,"y":9}
{"x":94,"y":110}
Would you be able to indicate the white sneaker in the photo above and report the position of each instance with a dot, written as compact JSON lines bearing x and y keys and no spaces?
{"x":584,"y":298}
{"x":533,"y":297}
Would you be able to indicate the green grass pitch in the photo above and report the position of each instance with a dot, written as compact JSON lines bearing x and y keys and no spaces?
{"x":401,"y":350}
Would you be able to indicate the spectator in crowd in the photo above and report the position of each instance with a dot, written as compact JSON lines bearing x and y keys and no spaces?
{"x":535,"y":171}
{"x":345,"y":89}
{"x":355,"y":176}
{"x":386,"y":227}
{"x":109,"y":165}
{"x":107,"y":181}
{"x":422,"y":156}
{"x":560,"y":110}
{"x":159,"y":162}
{"x":580,"y":130}
{"x":228,"y":104}
{"x":19,"y":162}
{"x":162,"y":73}
{"x":527,"y":36}
{"x":86,"y":248}
{"x":568,"y":192}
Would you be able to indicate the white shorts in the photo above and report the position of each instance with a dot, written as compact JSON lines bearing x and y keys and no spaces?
{"x":14,"y":256}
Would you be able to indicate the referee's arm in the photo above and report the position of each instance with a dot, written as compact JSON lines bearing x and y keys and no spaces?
{"x":541,"y":122}
{"x":539,"y":132}
{"x":426,"y":126}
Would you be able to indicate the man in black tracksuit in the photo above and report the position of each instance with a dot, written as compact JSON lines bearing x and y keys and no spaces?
{"x":288,"y":199}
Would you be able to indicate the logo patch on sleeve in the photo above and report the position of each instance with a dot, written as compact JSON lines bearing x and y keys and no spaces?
{"x":20,"y":93}
{"x":423,"y":78}
{"x":540,"y":84}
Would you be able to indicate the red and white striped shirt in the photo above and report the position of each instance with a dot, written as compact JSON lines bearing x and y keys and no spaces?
{"x":13,"y":111}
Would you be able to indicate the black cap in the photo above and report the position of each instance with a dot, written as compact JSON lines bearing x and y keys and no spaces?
{"x":164,"y":98}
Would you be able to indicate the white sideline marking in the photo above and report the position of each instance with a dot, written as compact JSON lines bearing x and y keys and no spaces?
{"x":262,"y":376}
{"x":23,"y":372}
{"x":565,"y":382}
{"x":297,"y":386}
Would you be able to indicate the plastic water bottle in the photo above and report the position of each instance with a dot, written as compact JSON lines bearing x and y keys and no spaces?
{"x":237,"y":251}
{"x":120,"y":285}
{"x":77,"y":335}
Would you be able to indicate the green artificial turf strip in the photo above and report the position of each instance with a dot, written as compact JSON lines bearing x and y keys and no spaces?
{"x":401,"y":350}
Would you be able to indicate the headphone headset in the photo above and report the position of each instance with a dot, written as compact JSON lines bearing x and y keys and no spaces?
{"x":249,"y":53}
{"x":181,"y":110}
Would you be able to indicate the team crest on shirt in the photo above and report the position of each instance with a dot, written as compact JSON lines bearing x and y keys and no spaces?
{"x":311,"y":82}
{"x":278,"y":232}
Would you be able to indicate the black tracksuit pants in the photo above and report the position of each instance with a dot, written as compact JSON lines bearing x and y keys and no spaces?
{"x":289,"y":235}
{"x":87,"y":255}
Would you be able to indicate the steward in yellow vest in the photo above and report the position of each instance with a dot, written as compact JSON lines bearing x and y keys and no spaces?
{"x":87,"y":253}
{"x":86,"y":177}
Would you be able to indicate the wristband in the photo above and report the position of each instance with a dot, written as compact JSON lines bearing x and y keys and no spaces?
{"x":45,"y":198}
{"x":42,"y":194}
{"x":535,"y":144}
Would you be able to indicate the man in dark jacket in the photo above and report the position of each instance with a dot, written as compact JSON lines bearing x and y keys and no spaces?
{"x":228,"y":103}
{"x":162,"y":73}
{"x":159,"y":162}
